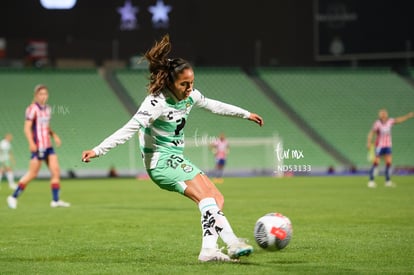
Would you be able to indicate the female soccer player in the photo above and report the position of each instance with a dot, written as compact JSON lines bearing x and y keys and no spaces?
{"x":160,"y":121}
{"x":382,"y":129}
{"x":220,"y":148}
{"x":38,"y":133}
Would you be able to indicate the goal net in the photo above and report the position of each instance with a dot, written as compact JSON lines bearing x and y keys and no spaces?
{"x":247,"y":155}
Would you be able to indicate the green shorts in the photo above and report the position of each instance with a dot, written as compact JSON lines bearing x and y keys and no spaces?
{"x":172,"y":171}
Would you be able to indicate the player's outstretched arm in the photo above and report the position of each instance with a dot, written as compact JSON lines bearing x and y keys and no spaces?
{"x":120,"y":136}
{"x":256,"y":118}
{"x":404,"y":118}
{"x":87,"y":155}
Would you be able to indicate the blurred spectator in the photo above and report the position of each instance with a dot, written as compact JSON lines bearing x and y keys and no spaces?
{"x":7,"y":160}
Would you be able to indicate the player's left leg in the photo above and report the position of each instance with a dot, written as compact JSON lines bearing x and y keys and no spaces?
{"x":219,"y":171}
{"x":34,"y":167}
{"x":176,"y":173}
{"x":388,"y":163}
{"x":200,"y":189}
{"x":53,"y":164}
{"x":371,"y":183}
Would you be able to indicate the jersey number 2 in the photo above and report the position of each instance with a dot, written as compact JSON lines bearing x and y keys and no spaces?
{"x":180,"y":125}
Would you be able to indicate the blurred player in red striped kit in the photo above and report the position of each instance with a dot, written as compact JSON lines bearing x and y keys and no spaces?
{"x":383,"y":143}
{"x":38,"y":134}
{"x":220,"y":148}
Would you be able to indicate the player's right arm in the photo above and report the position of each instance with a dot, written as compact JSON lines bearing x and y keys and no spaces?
{"x":371,"y":134}
{"x":149,"y":110}
{"x":369,"y":139}
{"x":30,"y":116}
{"x":29,"y":135}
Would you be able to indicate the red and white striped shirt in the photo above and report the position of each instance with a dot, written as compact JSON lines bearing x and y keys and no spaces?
{"x":221,"y":147}
{"x":40,"y":116}
{"x":383,"y":131}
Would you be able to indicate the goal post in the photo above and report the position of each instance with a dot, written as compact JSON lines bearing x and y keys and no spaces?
{"x":247,"y":155}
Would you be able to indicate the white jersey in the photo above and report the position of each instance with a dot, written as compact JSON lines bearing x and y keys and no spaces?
{"x":160,"y":121}
{"x":5,"y":148}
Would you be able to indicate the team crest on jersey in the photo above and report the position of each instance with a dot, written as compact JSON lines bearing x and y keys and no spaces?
{"x":187,"y":108}
{"x":187,"y":168}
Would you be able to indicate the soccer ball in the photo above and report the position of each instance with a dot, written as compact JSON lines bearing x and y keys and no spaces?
{"x":273,"y":231}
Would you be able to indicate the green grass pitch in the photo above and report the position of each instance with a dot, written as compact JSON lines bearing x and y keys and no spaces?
{"x":129,"y":226}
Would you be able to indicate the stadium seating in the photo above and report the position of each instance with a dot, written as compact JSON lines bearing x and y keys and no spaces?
{"x":84,"y":111}
{"x":134,"y":82}
{"x":342,"y":104}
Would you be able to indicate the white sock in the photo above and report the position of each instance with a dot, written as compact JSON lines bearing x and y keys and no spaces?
{"x":210,"y":236}
{"x":214,"y":224}
{"x":10,"y":178}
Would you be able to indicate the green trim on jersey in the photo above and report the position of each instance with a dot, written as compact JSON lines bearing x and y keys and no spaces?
{"x":166,"y":135}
